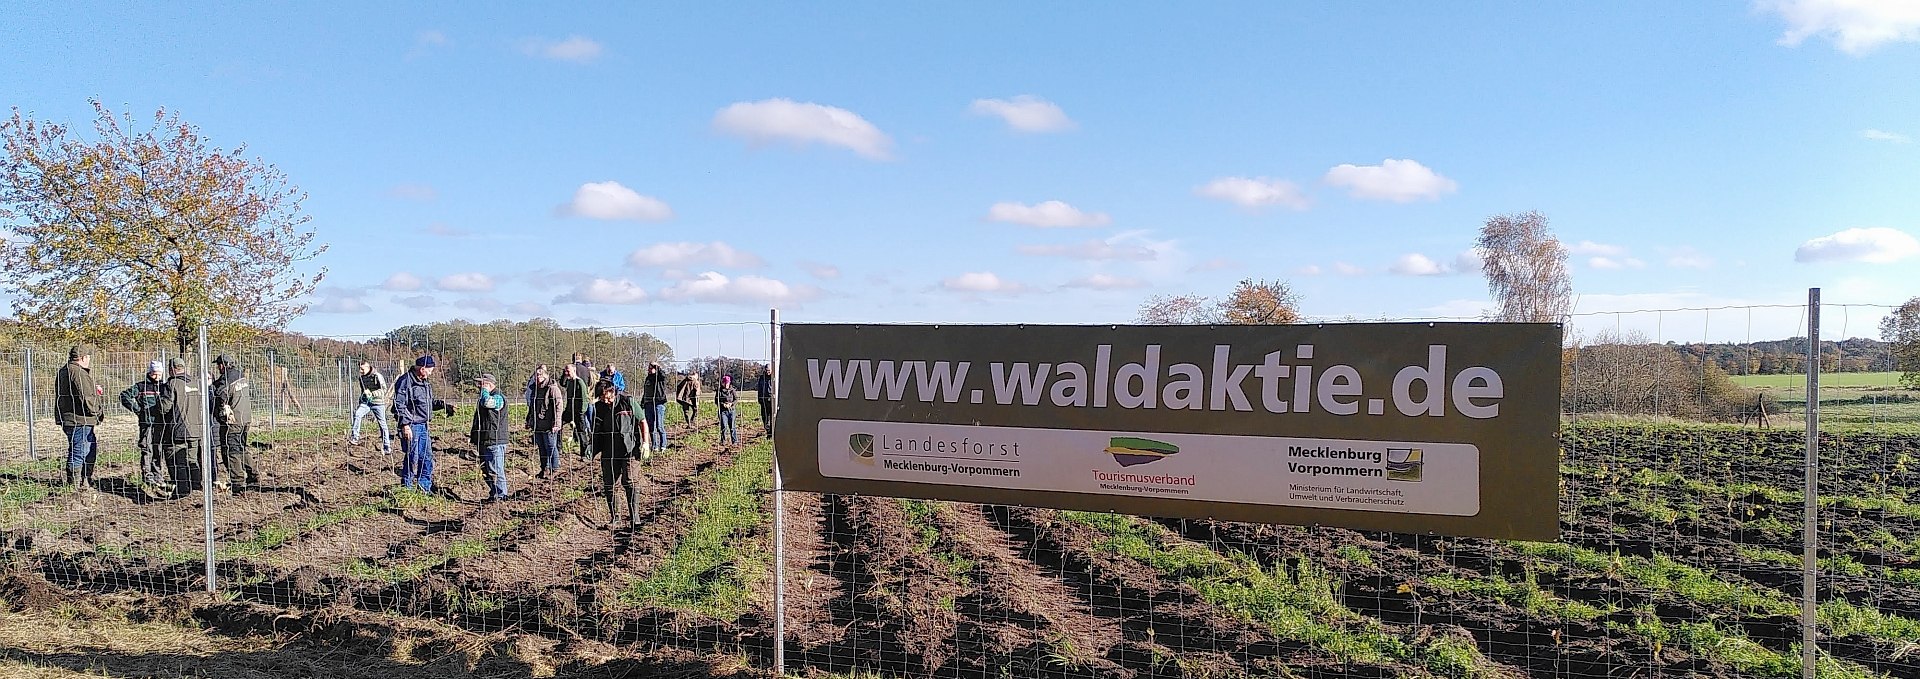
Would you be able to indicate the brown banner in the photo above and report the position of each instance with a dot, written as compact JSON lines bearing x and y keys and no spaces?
{"x":1446,"y":428}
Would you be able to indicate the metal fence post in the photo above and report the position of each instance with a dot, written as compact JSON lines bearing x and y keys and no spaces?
{"x":26,"y":386}
{"x":273,"y":394}
{"x":1809,"y":538}
{"x":206,"y":456}
{"x":779,"y":516}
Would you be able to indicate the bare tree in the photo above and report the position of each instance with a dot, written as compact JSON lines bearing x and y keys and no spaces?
{"x":1526,"y":269}
{"x":1251,"y":303}
{"x":1178,"y":310}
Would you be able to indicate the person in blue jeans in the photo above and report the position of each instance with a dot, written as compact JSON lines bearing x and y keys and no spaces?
{"x":489,"y":436}
{"x":546,"y":408}
{"x":373,"y":401}
{"x":653,"y":401}
{"x":76,"y":407}
{"x":727,"y":397}
{"x":413,"y":406}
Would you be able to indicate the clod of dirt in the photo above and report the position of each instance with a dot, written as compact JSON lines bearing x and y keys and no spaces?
{"x":26,"y":591}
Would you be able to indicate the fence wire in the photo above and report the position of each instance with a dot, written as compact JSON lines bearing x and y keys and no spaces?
{"x":1680,"y":555}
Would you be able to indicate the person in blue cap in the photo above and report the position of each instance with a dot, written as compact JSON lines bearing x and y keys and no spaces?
{"x":413,"y":406}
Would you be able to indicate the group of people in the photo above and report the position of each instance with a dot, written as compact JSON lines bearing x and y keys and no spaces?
{"x":594,"y":404}
{"x":168,"y":405}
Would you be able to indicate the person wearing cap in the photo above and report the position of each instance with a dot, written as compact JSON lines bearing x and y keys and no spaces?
{"x":413,"y":406}
{"x":489,"y":436}
{"x":233,"y":409}
{"x":763,"y":385}
{"x":77,"y":409}
{"x":727,"y":398}
{"x":687,"y":394}
{"x":653,"y":402}
{"x":546,"y":406}
{"x":577,"y":400}
{"x":618,"y":439}
{"x":186,"y":418}
{"x":612,"y":374}
{"x":143,"y":400}
{"x":373,"y":400}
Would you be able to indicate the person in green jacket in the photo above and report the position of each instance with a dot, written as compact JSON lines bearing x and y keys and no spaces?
{"x":77,"y":410}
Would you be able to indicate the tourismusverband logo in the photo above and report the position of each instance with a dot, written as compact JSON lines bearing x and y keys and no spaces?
{"x":1133,"y":450}
{"x":861,"y":447}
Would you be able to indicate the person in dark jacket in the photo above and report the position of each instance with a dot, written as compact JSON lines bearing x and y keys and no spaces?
{"x":489,"y":436}
{"x":413,"y":406}
{"x":186,"y":422}
{"x":233,"y":409}
{"x":77,"y":409}
{"x":653,"y":402}
{"x":618,"y":438}
{"x":727,"y":398}
{"x":687,"y":394}
{"x":578,"y":400}
{"x":143,"y":400}
{"x":545,"y":406}
{"x":764,"y":387}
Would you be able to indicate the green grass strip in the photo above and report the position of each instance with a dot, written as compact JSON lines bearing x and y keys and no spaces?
{"x":706,"y":571}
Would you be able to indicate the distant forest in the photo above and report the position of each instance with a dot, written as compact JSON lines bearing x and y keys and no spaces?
{"x":1789,"y":356}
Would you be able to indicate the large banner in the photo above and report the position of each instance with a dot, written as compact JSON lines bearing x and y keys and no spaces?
{"x":1447,"y":428}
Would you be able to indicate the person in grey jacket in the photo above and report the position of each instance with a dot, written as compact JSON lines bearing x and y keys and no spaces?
{"x":233,"y":409}
{"x":77,"y":409}
{"x":186,"y":418}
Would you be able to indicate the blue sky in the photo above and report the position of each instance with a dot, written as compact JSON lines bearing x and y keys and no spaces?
{"x":1001,"y":162}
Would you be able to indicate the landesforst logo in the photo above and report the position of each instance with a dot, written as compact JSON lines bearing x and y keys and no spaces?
{"x":1404,"y":464}
{"x":861,"y":446}
{"x":1133,"y":450}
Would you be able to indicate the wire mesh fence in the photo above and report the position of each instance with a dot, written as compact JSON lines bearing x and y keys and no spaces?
{"x":1682,"y":518}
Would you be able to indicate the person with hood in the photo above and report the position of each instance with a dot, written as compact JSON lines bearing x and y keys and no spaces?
{"x":727,"y":398}
{"x":577,"y":399}
{"x":186,"y":419}
{"x":764,"y":387}
{"x":545,"y":411}
{"x":489,"y":436}
{"x":619,"y":439}
{"x":143,"y":400}
{"x":76,"y":408}
{"x":233,"y":409}
{"x":687,"y":394}
{"x":653,"y":402}
{"x":373,"y":400}
{"x":413,"y":407}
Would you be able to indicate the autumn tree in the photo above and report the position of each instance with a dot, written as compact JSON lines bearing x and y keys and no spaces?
{"x":1252,"y":302}
{"x":139,"y":234}
{"x":1526,"y":269}
{"x":1901,"y":331}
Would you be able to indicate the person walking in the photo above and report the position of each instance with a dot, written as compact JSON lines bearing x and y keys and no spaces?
{"x":489,"y":436}
{"x":143,"y":400}
{"x":413,"y":406}
{"x":545,"y":409}
{"x":727,"y":398}
{"x":373,"y":401}
{"x":233,"y":409}
{"x":653,"y":401}
{"x":764,"y":387}
{"x":687,"y":394}
{"x":186,"y":419}
{"x":618,"y":439}
{"x":77,"y":409}
{"x":576,"y":403}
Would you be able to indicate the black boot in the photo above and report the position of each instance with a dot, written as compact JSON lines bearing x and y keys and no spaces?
{"x":86,"y":474}
{"x":633,"y":511}
{"x":72,"y":474}
{"x":612,"y":515}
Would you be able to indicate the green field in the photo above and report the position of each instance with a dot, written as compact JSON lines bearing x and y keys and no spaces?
{"x":1772,"y":382}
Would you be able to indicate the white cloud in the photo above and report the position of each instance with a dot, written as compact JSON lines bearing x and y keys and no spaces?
{"x":1051,"y":214}
{"x":715,"y":287}
{"x":1026,"y":113}
{"x":1100,"y":281}
{"x":1854,"y":26}
{"x":419,"y":193}
{"x":341,"y":301}
{"x":583,"y":322}
{"x":604,"y":291}
{"x":465,"y":282}
{"x":427,"y":41}
{"x":1397,"y":180}
{"x":1878,"y":245}
{"x":402,"y":282}
{"x":578,"y":49}
{"x":1615,"y":263}
{"x":1096,"y":250}
{"x":825,"y":272}
{"x":1468,"y":261}
{"x":612,"y":202}
{"x":1883,"y":135}
{"x":1254,"y":192}
{"x":1589,"y":248}
{"x":483,"y":304}
{"x":1688,"y":258}
{"x":417,"y":302}
{"x":1309,"y":270}
{"x":674,"y":255}
{"x":771,"y":120}
{"x":1416,"y":264}
{"x":980,"y":281}
{"x":1346,"y":269}
{"x":529,"y":309}
{"x":1215,"y":264}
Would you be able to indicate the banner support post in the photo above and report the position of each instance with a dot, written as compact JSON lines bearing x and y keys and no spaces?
{"x":779,"y":511}
{"x":1810,"y":534}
